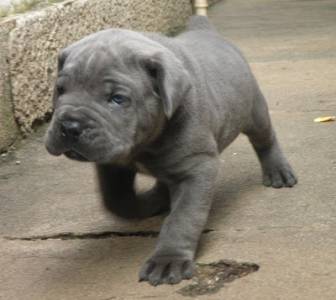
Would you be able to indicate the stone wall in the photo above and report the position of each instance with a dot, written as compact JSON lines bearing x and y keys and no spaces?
{"x":8,"y":126}
{"x":29,"y":44}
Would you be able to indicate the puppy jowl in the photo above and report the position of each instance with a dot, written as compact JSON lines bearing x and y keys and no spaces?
{"x":125,"y":99}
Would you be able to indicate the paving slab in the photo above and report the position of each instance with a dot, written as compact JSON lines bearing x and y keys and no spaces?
{"x":58,"y":243}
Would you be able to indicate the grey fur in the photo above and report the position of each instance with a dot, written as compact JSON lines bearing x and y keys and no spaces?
{"x":187,"y":98}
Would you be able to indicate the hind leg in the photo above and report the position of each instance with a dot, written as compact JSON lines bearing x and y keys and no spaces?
{"x":276,"y":170}
{"x":119,"y":196}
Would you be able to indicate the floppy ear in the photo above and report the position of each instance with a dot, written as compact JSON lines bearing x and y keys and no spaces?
{"x":62,"y":56}
{"x":172,"y":79}
{"x":60,"y":63}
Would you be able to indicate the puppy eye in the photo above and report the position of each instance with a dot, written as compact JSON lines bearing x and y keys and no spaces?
{"x":118,"y":99}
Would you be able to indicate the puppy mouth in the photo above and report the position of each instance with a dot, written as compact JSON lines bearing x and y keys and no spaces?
{"x":75,"y":155}
{"x":85,"y":150}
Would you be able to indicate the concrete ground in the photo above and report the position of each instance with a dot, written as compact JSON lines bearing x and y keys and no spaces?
{"x":58,"y":243}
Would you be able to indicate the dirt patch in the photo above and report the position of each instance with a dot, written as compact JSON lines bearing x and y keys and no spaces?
{"x":210,"y":278}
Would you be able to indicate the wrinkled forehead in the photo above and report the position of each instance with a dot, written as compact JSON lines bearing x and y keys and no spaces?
{"x":97,"y":62}
{"x":90,"y":61}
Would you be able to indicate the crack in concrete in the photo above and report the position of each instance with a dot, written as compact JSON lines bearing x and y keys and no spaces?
{"x":90,"y":235}
{"x":85,"y":236}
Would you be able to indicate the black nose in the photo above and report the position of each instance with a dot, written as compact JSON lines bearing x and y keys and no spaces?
{"x":71,"y":129}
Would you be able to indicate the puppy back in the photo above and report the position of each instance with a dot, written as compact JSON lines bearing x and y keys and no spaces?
{"x":199,"y":23}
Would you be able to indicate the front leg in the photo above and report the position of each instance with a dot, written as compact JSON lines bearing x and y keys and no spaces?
{"x":191,"y":200}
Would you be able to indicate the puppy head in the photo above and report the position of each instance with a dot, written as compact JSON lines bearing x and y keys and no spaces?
{"x":114,"y":92}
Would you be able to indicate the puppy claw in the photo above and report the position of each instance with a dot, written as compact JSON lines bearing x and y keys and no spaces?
{"x":188,"y":270}
{"x":279,"y":177}
{"x":166,"y":270}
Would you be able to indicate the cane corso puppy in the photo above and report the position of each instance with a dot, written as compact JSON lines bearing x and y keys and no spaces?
{"x":130,"y":101}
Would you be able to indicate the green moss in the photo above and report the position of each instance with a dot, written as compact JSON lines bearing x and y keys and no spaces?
{"x":4,"y":12}
{"x":24,"y":6}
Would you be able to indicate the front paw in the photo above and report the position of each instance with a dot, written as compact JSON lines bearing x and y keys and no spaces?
{"x":279,"y":176}
{"x":168,"y":269}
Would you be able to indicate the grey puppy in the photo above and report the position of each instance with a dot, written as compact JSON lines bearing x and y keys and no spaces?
{"x":124,"y":99}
